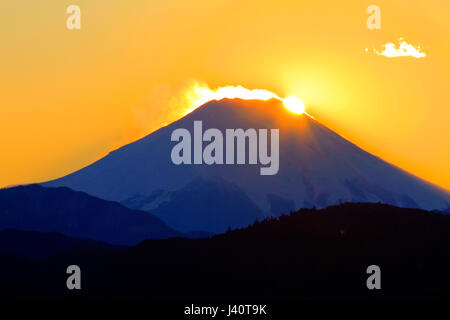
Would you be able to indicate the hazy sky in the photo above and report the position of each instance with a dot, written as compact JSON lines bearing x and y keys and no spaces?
{"x":68,"y":97}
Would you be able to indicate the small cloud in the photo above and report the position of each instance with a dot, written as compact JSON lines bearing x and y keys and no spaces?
{"x":404,"y":50}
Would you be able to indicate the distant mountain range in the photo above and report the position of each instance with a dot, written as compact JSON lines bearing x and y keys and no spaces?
{"x":308,"y":255}
{"x":317,"y":168}
{"x":75,"y":214}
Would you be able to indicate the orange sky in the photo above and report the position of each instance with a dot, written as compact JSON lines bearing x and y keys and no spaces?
{"x":69,"y":97}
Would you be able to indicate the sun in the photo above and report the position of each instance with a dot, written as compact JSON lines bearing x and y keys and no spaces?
{"x":294,"y":105}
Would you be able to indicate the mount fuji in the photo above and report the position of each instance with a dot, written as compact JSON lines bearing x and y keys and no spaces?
{"x":317,"y":167}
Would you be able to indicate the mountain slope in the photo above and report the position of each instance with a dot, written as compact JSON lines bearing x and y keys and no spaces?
{"x":186,"y":207}
{"x":317,"y":167}
{"x":76,"y":214}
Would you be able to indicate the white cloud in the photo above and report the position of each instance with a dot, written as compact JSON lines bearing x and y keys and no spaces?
{"x":404,"y":50}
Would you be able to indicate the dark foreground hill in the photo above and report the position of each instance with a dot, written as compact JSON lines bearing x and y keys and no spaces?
{"x":310,"y":254}
{"x":37,"y":245}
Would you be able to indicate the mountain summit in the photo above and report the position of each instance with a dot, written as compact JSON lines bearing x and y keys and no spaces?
{"x":317,"y":167}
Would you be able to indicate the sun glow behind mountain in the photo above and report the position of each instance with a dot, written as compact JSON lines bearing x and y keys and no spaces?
{"x":201,"y":94}
{"x":159,"y":47}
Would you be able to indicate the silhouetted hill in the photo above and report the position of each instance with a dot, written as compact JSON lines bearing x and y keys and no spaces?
{"x":310,"y":254}
{"x":35,"y":245}
{"x":77,"y":214}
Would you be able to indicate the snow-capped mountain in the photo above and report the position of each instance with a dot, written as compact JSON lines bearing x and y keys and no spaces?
{"x":317,"y":167}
